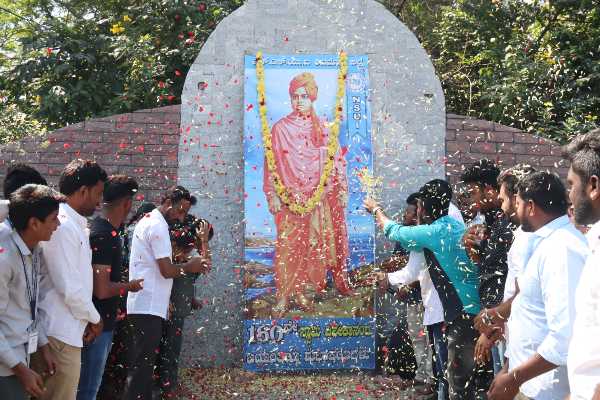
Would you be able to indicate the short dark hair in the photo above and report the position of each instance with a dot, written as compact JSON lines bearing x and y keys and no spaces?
{"x":20,"y":174}
{"x":184,"y":234}
{"x":79,"y":173}
{"x":584,"y":154}
{"x":483,"y":172}
{"x":144,"y":208}
{"x":32,"y":201}
{"x":435,"y":196}
{"x":178,"y":193}
{"x":511,"y":176}
{"x":412,"y":199}
{"x":546,"y":190}
{"x":118,"y":187}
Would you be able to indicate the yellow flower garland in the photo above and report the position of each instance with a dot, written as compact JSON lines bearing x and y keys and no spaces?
{"x":332,"y":147}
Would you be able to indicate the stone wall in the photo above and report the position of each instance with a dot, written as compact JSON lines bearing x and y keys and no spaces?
{"x":145,"y":144}
{"x":468,"y":140}
{"x":142,"y":144}
{"x":407,"y":110}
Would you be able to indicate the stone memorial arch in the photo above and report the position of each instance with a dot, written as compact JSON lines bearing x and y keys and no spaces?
{"x":408,"y":131}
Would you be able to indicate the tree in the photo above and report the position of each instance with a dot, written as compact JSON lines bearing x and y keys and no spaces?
{"x":70,"y":60}
{"x":533,"y":65}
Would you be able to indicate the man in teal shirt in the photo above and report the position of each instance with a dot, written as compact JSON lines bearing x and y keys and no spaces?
{"x":453,"y":274}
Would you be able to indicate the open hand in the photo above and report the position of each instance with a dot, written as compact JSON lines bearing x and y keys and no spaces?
{"x":370,"y":205}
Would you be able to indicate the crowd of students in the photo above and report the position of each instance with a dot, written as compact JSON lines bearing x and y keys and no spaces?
{"x":508,"y":279}
{"x":73,"y":290}
{"x":512,"y":292}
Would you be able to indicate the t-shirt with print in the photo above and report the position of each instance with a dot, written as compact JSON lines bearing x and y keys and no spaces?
{"x":150,"y":243}
{"x":106,"y":247}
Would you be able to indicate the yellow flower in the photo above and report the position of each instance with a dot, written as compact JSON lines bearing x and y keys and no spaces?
{"x":117,"y":28}
{"x":126,"y":18}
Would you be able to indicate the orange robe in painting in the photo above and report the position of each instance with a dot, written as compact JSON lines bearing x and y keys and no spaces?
{"x":309,"y":245}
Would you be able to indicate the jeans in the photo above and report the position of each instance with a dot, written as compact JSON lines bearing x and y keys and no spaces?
{"x":115,"y":370}
{"x":498,"y":356}
{"x":93,"y":360}
{"x":437,"y":340}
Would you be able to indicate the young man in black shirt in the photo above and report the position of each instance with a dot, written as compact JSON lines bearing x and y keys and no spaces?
{"x":106,"y":244}
{"x":488,"y":244}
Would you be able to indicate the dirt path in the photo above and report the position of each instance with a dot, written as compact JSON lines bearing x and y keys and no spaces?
{"x":237,"y":384}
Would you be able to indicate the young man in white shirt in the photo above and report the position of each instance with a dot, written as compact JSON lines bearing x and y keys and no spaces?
{"x":543,"y":311}
{"x":491,"y":321}
{"x":33,"y":218}
{"x":151,"y":260}
{"x":66,"y":306}
{"x":584,"y":184}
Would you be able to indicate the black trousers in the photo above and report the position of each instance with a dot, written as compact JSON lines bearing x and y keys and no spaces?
{"x":143,"y":338}
{"x":167,"y":363}
{"x":11,"y":388}
{"x":396,"y":354}
{"x":467,"y":381}
{"x":401,"y":354}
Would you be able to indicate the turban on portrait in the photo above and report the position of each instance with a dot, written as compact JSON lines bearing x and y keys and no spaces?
{"x":307,"y":81}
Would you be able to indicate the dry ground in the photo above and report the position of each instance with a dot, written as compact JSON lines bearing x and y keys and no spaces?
{"x":238,"y":384}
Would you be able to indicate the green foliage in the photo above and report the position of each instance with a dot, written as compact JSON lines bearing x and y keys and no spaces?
{"x":534,"y":65}
{"x":531,"y":64}
{"x":15,"y":124}
{"x":70,"y":60}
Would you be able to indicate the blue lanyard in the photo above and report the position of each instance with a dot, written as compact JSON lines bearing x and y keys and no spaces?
{"x":32,"y":287}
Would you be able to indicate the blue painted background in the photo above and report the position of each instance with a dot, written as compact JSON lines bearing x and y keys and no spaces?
{"x":355,"y":135}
